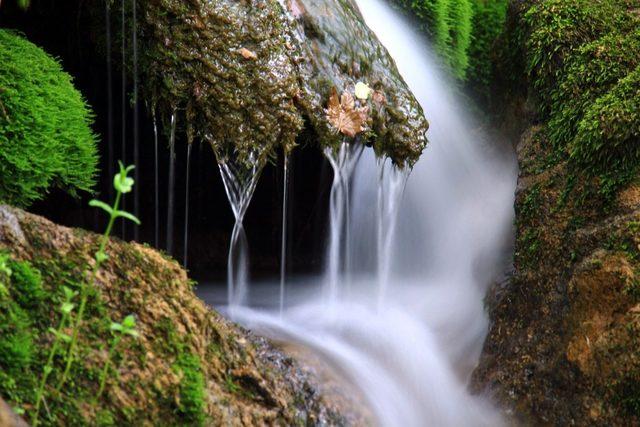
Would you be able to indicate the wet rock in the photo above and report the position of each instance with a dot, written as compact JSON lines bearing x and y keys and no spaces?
{"x":249,"y":76}
{"x":236,"y":380}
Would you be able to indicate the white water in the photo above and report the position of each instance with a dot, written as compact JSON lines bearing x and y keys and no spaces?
{"x":409,"y":332}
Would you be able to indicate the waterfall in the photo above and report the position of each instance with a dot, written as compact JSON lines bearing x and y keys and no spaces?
{"x":240,"y":178}
{"x":391,"y":183}
{"x":343,"y":161}
{"x":421,"y":253}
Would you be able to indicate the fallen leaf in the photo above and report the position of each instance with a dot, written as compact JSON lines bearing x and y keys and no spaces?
{"x":379,"y":98}
{"x":344,"y":116}
{"x":247,"y":54}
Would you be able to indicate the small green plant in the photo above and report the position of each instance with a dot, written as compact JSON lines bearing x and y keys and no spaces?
{"x":123,"y":184}
{"x":66,"y":309}
{"x":119,"y":331}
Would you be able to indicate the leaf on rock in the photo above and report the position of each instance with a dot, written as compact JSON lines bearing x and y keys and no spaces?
{"x":247,"y":54}
{"x":344,"y":116}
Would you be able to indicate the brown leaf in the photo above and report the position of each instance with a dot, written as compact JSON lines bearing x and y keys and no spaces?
{"x":343,"y":115}
{"x":378,"y":97}
{"x":247,"y":54}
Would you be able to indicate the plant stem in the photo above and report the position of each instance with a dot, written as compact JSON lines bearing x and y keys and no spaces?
{"x":85,"y":294}
{"x":47,"y":370}
{"x":107,"y":364}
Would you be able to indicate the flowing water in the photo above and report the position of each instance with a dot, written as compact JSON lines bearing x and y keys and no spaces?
{"x":421,"y":253}
{"x":240,"y":179}
{"x":283,"y":241}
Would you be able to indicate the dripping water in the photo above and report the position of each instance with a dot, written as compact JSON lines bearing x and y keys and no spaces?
{"x":123,"y":147}
{"x":110,"y":153}
{"x":156,"y":177}
{"x":136,"y":142}
{"x":240,"y":178}
{"x":186,"y":206}
{"x":172,"y":183}
{"x":283,"y":241}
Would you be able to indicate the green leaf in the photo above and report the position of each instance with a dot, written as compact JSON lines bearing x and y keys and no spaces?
{"x":101,"y":256}
{"x":102,"y":205}
{"x":116,"y":327}
{"x":128,"y":216}
{"x":129,"y":322}
{"x":67,"y":307}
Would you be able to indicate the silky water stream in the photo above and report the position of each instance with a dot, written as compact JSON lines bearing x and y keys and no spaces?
{"x":399,"y":310}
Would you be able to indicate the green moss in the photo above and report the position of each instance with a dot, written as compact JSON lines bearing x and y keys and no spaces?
{"x":26,"y":284}
{"x":489,"y":17}
{"x":45,"y":126}
{"x":192,"y":389}
{"x":556,"y":28}
{"x":449,"y":24}
{"x":607,"y":142}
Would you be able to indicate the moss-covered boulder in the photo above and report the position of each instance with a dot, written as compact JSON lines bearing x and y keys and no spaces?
{"x":45,"y":125}
{"x":188,"y":367}
{"x":564,"y":345}
{"x":248,"y":76}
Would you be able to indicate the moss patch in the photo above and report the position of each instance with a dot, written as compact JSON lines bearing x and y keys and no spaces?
{"x":45,"y":126}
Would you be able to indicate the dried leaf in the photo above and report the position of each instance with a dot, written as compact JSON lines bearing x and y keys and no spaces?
{"x":247,"y":54}
{"x":343,"y":115}
{"x":379,"y":98}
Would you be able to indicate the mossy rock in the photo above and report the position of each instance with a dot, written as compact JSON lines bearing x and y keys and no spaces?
{"x":45,"y":126}
{"x":247,"y":77}
{"x":176,"y":373}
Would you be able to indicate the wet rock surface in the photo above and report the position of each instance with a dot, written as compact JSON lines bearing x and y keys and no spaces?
{"x":249,"y":76}
{"x":563,"y":348}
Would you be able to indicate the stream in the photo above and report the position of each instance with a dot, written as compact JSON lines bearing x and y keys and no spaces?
{"x":399,"y":309}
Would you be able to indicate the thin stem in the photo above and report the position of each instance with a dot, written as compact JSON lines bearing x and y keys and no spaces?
{"x":85,"y":294}
{"x":47,"y":370}
{"x":107,"y":364}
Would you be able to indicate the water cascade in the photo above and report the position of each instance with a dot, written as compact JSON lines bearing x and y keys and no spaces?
{"x":410,"y":331}
{"x":240,"y":178}
{"x":343,"y":161}
{"x":391,"y":183}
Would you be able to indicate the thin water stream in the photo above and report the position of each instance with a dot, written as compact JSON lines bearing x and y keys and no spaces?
{"x":403,"y":319}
